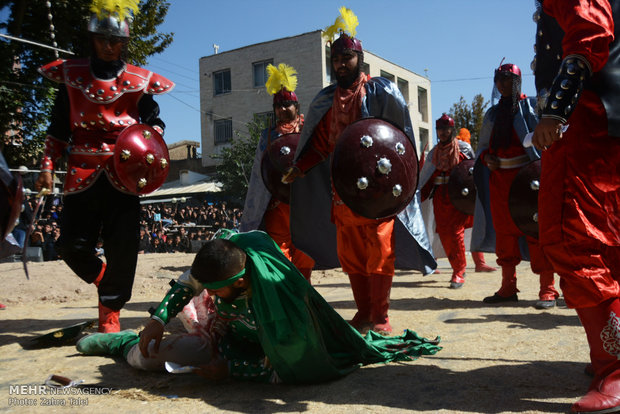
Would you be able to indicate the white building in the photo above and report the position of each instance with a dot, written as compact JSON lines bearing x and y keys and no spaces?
{"x":232,"y":86}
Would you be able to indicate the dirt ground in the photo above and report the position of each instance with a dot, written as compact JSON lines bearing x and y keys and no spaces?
{"x":495,"y":359}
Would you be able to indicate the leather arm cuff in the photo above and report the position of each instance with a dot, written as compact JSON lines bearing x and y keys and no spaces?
{"x":567,"y":87}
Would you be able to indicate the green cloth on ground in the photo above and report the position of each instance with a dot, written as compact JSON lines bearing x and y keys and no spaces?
{"x":305,"y":339}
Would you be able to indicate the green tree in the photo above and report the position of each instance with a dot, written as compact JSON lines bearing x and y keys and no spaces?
{"x":25,"y":98}
{"x":237,"y":160}
{"x":469,"y":116}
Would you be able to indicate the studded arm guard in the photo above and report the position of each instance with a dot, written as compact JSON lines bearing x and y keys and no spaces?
{"x":184,"y":289}
{"x":567,"y":87}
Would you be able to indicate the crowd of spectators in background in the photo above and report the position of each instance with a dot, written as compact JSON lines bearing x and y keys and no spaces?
{"x":178,"y":227}
{"x":165,"y":227}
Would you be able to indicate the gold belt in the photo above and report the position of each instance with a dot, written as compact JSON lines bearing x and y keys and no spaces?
{"x":439,"y":180}
{"x":514,"y":162}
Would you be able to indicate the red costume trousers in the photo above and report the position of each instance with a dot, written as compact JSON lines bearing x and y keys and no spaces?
{"x":579,"y":207}
{"x":365,"y":246}
{"x":507,"y":240}
{"x":277,"y":225}
{"x":366,"y":254}
{"x":451,"y":225}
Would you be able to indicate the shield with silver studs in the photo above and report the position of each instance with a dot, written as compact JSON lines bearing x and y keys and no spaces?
{"x":141,"y":159}
{"x":523,"y":198}
{"x":11,"y":200}
{"x":277,"y":158}
{"x":461,"y":188}
{"x":374,"y":168}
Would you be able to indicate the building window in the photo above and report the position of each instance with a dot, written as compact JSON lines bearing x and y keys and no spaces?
{"x":260,"y":72}
{"x":403,"y":86}
{"x":388,"y":76}
{"x":365,"y":68}
{"x":328,"y":64}
{"x":222,"y":131}
{"x":423,"y":104}
{"x":424,"y":140}
{"x":221,"y":82}
{"x":265,"y":119}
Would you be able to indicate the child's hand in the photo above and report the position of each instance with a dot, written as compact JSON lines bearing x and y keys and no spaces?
{"x":152,"y":331}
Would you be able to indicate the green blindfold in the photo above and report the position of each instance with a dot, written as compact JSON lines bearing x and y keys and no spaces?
{"x":223,"y":283}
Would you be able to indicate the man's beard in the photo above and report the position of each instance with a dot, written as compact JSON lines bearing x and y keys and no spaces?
{"x":237,"y":291}
{"x":345,"y":81}
{"x":288,"y":117}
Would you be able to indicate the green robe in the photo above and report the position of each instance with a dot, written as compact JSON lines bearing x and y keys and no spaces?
{"x":305,"y":339}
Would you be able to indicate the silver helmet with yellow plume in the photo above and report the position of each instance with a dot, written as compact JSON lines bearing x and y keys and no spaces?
{"x":112,"y":17}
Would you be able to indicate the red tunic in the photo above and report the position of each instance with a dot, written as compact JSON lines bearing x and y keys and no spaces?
{"x":579,"y":202}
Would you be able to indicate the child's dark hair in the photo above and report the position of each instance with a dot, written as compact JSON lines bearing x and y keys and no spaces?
{"x":215,"y":260}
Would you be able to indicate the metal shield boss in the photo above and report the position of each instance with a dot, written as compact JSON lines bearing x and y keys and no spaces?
{"x":141,"y":159}
{"x":277,"y":158}
{"x":461,"y":188}
{"x":523,"y":199}
{"x":374,"y":168}
{"x":11,"y":201}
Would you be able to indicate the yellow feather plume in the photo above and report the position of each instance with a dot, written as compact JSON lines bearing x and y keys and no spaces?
{"x":330,"y":31}
{"x":349,"y":20}
{"x":122,"y":8}
{"x":284,"y":76}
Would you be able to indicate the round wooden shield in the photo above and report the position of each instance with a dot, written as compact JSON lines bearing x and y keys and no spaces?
{"x":374,"y":168}
{"x":141,"y":159}
{"x":523,"y":199}
{"x":277,"y":158}
{"x":461,"y":188}
{"x":11,"y":201}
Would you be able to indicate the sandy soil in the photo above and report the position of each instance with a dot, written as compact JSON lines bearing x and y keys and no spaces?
{"x":495,"y":359}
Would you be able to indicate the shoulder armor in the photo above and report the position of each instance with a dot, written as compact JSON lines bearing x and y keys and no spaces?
{"x":54,"y":71}
{"x":156,"y":84}
{"x":132,"y":79}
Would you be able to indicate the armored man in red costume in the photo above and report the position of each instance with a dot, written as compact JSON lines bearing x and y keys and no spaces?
{"x":98,"y":98}
{"x":367,"y":248}
{"x":450,"y":222}
{"x":501,"y":155}
{"x":264,"y":210}
{"x":577,"y":70}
